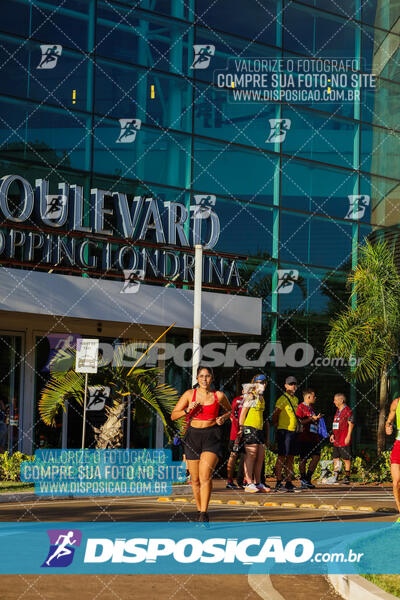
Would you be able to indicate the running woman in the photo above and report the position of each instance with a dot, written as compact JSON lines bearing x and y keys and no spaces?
{"x":203,"y":439}
{"x":395,"y":455}
{"x":251,"y":426}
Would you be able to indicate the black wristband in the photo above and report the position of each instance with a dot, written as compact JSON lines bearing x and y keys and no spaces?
{"x":185,"y":411}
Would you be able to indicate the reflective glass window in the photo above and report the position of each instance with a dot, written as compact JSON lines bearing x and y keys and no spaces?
{"x":65,"y":24}
{"x":309,"y":240}
{"x":159,"y":100}
{"x":218,"y":115}
{"x":316,"y":137}
{"x":143,"y":38}
{"x":228,"y":54}
{"x":347,"y":8}
{"x":33,"y":133}
{"x":320,"y":34}
{"x":254,"y":20}
{"x":233,"y":171}
{"x":140,"y":154}
{"x":256,"y":241}
{"x":15,"y":17}
{"x":316,"y":189}
{"x":380,"y":14}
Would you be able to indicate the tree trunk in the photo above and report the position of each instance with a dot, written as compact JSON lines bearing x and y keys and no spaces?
{"x":382,"y":412}
{"x":110,"y":434}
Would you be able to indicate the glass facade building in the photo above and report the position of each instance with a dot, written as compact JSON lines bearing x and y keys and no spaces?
{"x":80,"y":75}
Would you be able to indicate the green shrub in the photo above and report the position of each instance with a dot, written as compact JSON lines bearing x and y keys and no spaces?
{"x":10,"y":465}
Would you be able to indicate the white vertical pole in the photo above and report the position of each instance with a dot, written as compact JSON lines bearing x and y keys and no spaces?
{"x":84,"y":412}
{"x":198,"y":275}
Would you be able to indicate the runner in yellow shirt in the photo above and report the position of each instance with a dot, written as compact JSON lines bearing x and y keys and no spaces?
{"x":285,"y":420}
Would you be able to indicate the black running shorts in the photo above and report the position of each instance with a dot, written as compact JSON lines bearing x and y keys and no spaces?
{"x":207,"y":439}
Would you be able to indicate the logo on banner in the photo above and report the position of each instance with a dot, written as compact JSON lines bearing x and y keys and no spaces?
{"x":129,"y":129}
{"x":132,"y":277}
{"x":50,"y":55}
{"x":54,"y":205}
{"x":357,"y":206}
{"x":286,"y":280}
{"x":202,"y":55}
{"x":98,"y":395}
{"x":203,"y":207}
{"x":278,"y":130}
{"x":63,"y":543}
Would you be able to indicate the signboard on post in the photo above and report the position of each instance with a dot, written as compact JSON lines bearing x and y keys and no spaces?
{"x":87,"y":351}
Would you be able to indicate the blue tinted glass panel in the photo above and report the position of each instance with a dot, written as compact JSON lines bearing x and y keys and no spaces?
{"x":315,"y":137}
{"x":320,"y":34}
{"x":233,"y":171}
{"x":15,"y":17}
{"x":137,"y":37}
{"x":232,"y":214}
{"x":306,"y":239}
{"x":159,"y":100}
{"x":314,"y":292}
{"x":65,"y":24}
{"x":255,"y":20}
{"x":347,"y":8}
{"x":14,"y":61}
{"x":331,"y":243}
{"x":316,"y":189}
{"x":33,"y":133}
{"x":228,"y":52}
{"x":217,"y":115}
{"x":66,"y":85}
{"x":142,"y":155}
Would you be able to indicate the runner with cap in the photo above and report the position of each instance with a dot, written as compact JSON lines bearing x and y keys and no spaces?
{"x":395,"y":455}
{"x":251,"y":427}
{"x":285,"y":420}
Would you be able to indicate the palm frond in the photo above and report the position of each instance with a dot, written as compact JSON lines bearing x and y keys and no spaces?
{"x":55,"y":393}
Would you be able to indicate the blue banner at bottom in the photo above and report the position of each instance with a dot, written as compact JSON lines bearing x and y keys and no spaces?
{"x":219,"y":548}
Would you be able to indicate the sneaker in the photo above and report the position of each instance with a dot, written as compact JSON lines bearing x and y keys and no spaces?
{"x":346,"y":480}
{"x":306,"y":485}
{"x":289,"y":487}
{"x":251,"y":488}
{"x":231,"y":486}
{"x":263,"y":488}
{"x":278,"y":486}
{"x":241,"y":484}
{"x":203,"y":517}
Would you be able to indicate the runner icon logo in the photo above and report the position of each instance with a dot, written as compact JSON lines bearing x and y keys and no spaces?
{"x":203,"y":206}
{"x":54,"y":205}
{"x":129,"y":128}
{"x":202,"y":55}
{"x":357,"y":206}
{"x":62,"y":547}
{"x":98,"y":395}
{"x":132,"y":277}
{"x":286,"y":280}
{"x":50,"y":56}
{"x":278,"y":130}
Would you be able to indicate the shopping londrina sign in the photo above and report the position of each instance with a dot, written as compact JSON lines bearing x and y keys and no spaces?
{"x":110,"y":232}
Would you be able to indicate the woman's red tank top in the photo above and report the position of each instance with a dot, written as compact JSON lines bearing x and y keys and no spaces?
{"x":208,"y":412}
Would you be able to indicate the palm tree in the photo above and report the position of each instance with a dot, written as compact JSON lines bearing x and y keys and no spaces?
{"x":368,"y":330}
{"x":141,"y":385}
